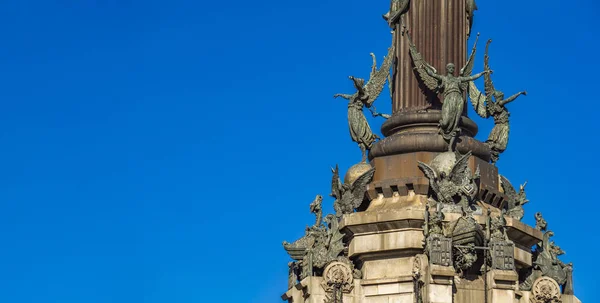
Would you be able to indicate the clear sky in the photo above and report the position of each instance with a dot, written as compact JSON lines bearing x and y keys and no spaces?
{"x":161,"y":151}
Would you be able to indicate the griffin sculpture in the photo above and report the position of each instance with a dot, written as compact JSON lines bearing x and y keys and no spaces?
{"x":546,"y":263}
{"x":365,"y":95}
{"x":332,"y":247}
{"x":298,"y":248}
{"x":540,"y":222}
{"x":456,"y":186}
{"x":450,"y":86}
{"x":321,"y":244}
{"x":317,"y":209}
{"x":516,"y":200}
{"x":486,"y":107}
{"x":348,"y":197}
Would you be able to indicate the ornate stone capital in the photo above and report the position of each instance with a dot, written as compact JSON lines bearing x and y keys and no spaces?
{"x":340,"y":275}
{"x":545,"y":290}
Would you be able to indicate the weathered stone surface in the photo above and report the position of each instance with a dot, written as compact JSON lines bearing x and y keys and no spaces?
{"x":386,"y":270}
{"x":521,"y":233}
{"x":440,"y":293}
{"x":503,"y":279}
{"x":386,"y":243}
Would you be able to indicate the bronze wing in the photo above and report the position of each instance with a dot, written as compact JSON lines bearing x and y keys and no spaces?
{"x":379,"y":77}
{"x":373,"y":66}
{"x":478,"y":100}
{"x":359,"y":187}
{"x":460,"y":169}
{"x":420,"y":65}
{"x":489,"y":85}
{"x":335,"y":244}
{"x":467,"y":70}
{"x":431,"y":175}
{"x":509,"y":190}
{"x":336,"y":185}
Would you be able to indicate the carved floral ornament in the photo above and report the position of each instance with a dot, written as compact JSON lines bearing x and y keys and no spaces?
{"x":545,"y":290}
{"x":338,"y":274}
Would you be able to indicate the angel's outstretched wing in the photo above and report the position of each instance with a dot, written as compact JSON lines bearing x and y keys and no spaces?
{"x":478,"y":100}
{"x":460,"y":169}
{"x":431,"y":175}
{"x":336,"y":185}
{"x":359,"y":187}
{"x":373,"y":66}
{"x":420,"y":65}
{"x":379,"y":77}
{"x":489,"y":85}
{"x":467,"y":70}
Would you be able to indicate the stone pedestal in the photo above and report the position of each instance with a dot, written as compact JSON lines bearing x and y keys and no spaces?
{"x":441,"y":283}
{"x":502,"y":285}
{"x":469,"y":289}
{"x":398,"y":290}
{"x":388,"y":243}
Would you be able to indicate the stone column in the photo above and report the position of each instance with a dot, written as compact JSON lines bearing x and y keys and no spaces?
{"x":439,"y":30}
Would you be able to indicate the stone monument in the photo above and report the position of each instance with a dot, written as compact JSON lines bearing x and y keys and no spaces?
{"x":424,"y":215}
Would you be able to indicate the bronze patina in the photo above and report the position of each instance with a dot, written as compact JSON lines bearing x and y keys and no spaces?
{"x":365,"y":96}
{"x":451,"y":87}
{"x":493,"y":104}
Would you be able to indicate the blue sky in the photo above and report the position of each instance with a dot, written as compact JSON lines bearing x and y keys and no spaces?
{"x":161,"y":151}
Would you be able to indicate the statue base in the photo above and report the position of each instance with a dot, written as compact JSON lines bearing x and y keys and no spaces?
{"x":408,"y":132}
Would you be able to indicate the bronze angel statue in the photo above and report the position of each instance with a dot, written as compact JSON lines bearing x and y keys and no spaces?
{"x":397,"y":9}
{"x":450,"y":86}
{"x":485,"y":106}
{"x":348,"y":197}
{"x":365,"y":95}
{"x":470,"y":8}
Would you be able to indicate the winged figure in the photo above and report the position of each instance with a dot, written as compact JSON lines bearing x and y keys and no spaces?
{"x":311,"y":235}
{"x":516,"y":200}
{"x":450,"y":86}
{"x":493,"y":104}
{"x":456,"y":186}
{"x":470,"y":8}
{"x":365,"y":95}
{"x":348,"y":197}
{"x":317,"y":209}
{"x":546,"y":263}
{"x":397,"y":9}
{"x":540,"y":222}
